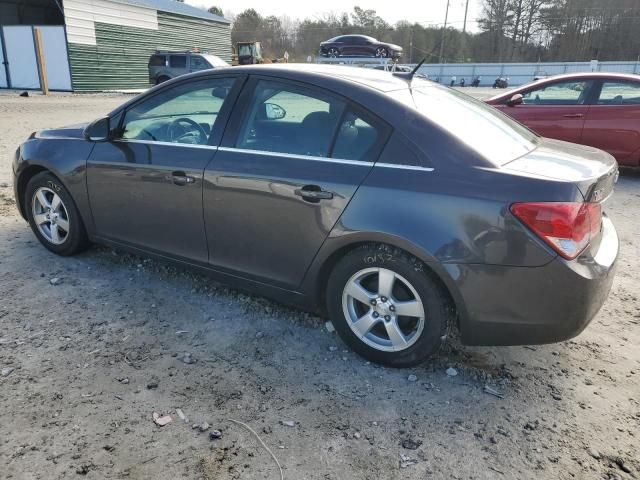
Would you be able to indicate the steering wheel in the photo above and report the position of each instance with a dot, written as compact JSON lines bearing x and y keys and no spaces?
{"x":175,"y":136}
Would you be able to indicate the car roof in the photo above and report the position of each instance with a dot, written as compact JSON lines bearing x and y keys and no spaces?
{"x":368,"y":77}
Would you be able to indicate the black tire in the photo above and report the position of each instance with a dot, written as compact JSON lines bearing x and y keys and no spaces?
{"x":437,"y":310}
{"x":162,"y":80}
{"x":333,"y":52}
{"x":75,"y":240}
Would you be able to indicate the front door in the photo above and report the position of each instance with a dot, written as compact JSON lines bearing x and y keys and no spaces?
{"x":613,"y":121}
{"x":291,"y":160}
{"x":557,"y":110}
{"x":145,"y":186}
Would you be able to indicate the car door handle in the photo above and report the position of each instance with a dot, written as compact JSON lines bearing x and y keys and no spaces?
{"x":313,"y":193}
{"x":180,"y":178}
{"x":573,"y":115}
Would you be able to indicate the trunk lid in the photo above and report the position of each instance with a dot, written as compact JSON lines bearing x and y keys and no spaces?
{"x":593,"y":171}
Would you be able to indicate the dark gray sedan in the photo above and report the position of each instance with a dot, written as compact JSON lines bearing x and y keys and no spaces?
{"x":398,"y":207}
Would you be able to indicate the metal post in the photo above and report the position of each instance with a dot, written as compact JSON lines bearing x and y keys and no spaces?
{"x":444,"y":30}
{"x":42,"y":69}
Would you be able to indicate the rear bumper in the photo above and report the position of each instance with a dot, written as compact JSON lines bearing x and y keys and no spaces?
{"x":533,"y":305}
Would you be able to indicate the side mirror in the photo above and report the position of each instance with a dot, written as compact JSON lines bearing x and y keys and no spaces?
{"x":98,"y":131}
{"x":220,"y":92}
{"x":517,"y":99}
{"x":274,"y":111}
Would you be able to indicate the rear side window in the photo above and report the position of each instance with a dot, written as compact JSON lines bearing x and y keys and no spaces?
{"x":619,"y":93}
{"x":178,"y":61}
{"x":157,"y":61}
{"x":286,"y":118}
{"x":356,"y":138}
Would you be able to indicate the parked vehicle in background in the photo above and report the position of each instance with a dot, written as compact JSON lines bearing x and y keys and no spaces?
{"x":359,"y":46}
{"x":597,"y":109}
{"x":249,"y":53}
{"x":165,"y":65}
{"x":501,"y":82}
{"x":397,"y":206}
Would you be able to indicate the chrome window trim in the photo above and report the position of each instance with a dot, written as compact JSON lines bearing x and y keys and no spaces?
{"x":173,"y":144}
{"x":281,"y":154}
{"x":293,"y":155}
{"x":405,"y":167}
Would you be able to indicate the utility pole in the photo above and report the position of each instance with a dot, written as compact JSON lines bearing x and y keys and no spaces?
{"x":464,"y":33}
{"x":464,"y":25}
{"x":411,"y":46}
{"x":444,"y":30}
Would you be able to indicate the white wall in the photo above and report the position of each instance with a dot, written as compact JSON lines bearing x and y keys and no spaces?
{"x":81,"y":15}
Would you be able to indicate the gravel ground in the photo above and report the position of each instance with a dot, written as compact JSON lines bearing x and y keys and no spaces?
{"x":91,"y":346}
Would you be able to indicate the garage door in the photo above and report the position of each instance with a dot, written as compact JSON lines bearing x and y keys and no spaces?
{"x":21,"y":55}
{"x":56,"y":60}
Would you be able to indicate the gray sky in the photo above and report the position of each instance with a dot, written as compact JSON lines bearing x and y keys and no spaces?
{"x":425,"y":12}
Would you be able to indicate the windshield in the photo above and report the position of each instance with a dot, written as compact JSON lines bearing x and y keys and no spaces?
{"x":215,"y":61}
{"x":244,"y":50}
{"x":492,"y":134}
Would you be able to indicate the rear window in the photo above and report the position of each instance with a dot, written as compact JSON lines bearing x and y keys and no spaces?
{"x":492,"y":134}
{"x":178,"y":61}
{"x":157,"y":61}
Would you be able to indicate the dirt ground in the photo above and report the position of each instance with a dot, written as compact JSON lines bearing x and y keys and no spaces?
{"x":87,"y":358}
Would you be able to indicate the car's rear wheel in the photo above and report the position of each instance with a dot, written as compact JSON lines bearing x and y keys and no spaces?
{"x":386,"y":306}
{"x":382,"y":52}
{"x":333,"y":52}
{"x":53,"y":216}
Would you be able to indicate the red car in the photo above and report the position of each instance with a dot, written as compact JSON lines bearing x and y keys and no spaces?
{"x":597,"y":109}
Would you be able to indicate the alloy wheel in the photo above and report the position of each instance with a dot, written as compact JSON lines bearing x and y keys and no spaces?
{"x":382,"y":52}
{"x":333,"y":52}
{"x":50,"y":215}
{"x":383,"y":309}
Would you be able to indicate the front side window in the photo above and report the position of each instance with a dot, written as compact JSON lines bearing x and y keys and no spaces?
{"x":286,"y":118}
{"x":178,"y":61}
{"x":560,"y":93}
{"x":619,"y":93}
{"x":183,"y":114}
{"x":198,"y":63}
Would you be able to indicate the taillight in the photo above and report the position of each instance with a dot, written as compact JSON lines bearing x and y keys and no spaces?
{"x":567,"y":227}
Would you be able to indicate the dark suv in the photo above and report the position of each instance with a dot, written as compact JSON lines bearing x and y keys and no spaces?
{"x":359,"y":46}
{"x":164,"y":66}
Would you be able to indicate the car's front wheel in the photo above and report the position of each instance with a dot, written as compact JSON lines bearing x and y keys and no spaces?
{"x":53,"y":216}
{"x":386,"y":306}
{"x":333,"y":52}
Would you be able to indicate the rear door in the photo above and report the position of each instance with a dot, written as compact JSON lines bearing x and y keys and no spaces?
{"x":177,"y":65}
{"x":145,"y":185}
{"x":290,"y":161}
{"x":613,"y":121}
{"x":555,"y":110}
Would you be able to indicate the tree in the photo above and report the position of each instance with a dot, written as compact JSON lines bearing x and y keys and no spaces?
{"x":216,"y":11}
